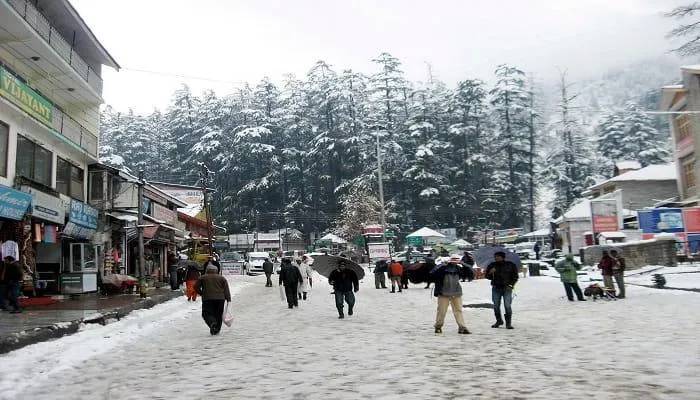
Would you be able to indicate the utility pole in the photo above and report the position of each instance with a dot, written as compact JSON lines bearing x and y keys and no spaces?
{"x":204,"y":178}
{"x":142,"y":258}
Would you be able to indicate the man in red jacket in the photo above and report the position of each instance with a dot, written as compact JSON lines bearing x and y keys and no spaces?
{"x":606,"y":269}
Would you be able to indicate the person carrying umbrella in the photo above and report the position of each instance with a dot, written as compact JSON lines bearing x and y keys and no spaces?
{"x":290,"y":277}
{"x":191,"y":278}
{"x":448,"y":290}
{"x":215,"y":292}
{"x":503,"y":275}
{"x":467,"y":260}
{"x":567,"y":269}
{"x":344,"y":282}
{"x":380,"y":268}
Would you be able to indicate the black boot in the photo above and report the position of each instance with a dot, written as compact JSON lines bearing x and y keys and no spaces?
{"x":393,"y":289}
{"x":499,"y":320}
{"x":304,"y":295}
{"x":400,"y":290}
{"x":508,"y":321}
{"x":299,"y":296}
{"x":349,"y":310}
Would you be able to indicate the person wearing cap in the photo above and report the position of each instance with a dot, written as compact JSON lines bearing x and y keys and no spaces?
{"x":215,"y":292}
{"x":503,"y":275}
{"x":448,"y":290}
{"x":344,"y":282}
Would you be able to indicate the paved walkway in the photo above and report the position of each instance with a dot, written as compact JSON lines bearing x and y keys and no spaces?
{"x":644,"y":347}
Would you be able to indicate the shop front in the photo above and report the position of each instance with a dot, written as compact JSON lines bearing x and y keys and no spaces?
{"x":82,"y":259}
{"x":44,"y":258}
{"x":13,"y":229}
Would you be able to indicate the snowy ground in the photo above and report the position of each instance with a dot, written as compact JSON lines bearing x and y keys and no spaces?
{"x":644,"y":347}
{"x":683,"y":277}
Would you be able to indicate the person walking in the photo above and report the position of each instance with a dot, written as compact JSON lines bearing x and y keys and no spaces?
{"x":606,"y":265}
{"x":190,"y":279}
{"x":267,"y":269}
{"x":345,"y":285}
{"x":211,"y":260}
{"x":448,"y":291}
{"x":567,"y":269}
{"x":395,"y":272}
{"x":380,"y":269}
{"x":290,"y":278}
{"x":14,"y":278}
{"x":173,"y":261}
{"x":305,"y":271}
{"x":618,"y":272}
{"x":503,"y":275}
{"x":537,"y":248}
{"x":467,"y":261}
{"x":215,"y":292}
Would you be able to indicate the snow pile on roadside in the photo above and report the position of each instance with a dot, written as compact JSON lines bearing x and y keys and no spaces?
{"x":46,"y":359}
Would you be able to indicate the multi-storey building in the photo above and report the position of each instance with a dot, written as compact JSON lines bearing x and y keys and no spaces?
{"x":50,"y":93}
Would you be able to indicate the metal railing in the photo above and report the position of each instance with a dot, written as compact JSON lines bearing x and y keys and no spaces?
{"x":43,"y":27}
{"x":75,"y":132}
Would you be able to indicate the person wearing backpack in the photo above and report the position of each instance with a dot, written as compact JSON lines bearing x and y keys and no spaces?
{"x":567,"y":269}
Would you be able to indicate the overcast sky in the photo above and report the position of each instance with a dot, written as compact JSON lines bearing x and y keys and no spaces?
{"x":230,"y":41}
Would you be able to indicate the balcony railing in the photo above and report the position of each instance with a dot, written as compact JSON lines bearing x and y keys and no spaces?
{"x":42,"y":26}
{"x":75,"y":132}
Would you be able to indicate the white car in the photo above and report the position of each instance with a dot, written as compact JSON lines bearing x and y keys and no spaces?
{"x":254,"y":262}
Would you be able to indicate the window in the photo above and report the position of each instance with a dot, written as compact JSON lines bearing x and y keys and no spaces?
{"x":683,"y":126}
{"x":4,"y":137}
{"x":96,"y":186}
{"x":69,"y":179}
{"x":33,"y":161}
{"x":688,"y":173}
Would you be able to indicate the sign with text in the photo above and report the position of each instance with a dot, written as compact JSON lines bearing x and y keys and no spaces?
{"x":164,"y":214}
{"x":659,"y":220}
{"x":605,"y":215}
{"x":378,"y":251}
{"x":13,"y":203}
{"x":83,"y":214}
{"x":46,"y":207}
{"x":25,"y":98}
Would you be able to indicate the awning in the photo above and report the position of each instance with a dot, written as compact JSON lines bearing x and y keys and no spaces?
{"x":150,"y":231}
{"x":124,"y":217}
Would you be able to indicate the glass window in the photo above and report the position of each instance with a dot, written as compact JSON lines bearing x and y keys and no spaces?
{"x":76,"y":255}
{"x":4,"y":137}
{"x":96,"y":186}
{"x":688,"y":172}
{"x":33,"y":161}
{"x":69,"y":179}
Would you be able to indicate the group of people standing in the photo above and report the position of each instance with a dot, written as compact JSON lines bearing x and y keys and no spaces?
{"x":612,"y":266}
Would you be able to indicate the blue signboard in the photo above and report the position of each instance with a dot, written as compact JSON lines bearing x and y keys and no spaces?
{"x":661,"y":220}
{"x":13,"y":203}
{"x":694,"y":243}
{"x":83,"y":215}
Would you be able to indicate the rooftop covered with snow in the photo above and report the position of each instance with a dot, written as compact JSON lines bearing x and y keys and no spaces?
{"x":660,"y":172}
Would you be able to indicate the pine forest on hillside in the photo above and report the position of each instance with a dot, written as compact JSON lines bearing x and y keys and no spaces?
{"x":303,"y":153}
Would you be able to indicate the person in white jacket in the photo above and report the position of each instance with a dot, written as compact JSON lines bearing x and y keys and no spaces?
{"x":306,"y":272}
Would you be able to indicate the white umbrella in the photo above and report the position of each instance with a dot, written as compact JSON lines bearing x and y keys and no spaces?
{"x":427,"y":233}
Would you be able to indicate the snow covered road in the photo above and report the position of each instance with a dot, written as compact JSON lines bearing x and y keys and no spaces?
{"x":644,"y":347}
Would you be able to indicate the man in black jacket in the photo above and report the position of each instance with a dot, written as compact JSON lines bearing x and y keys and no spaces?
{"x":503,"y":275}
{"x":291,"y":278}
{"x":267,"y":268}
{"x":344,"y":281}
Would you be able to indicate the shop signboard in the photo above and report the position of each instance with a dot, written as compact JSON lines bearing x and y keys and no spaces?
{"x":25,"y":98}
{"x":164,"y":214}
{"x":691,"y":219}
{"x":414,"y":240}
{"x":605,"y":215}
{"x":377,"y":251}
{"x":13,"y":203}
{"x":82,"y":214}
{"x":659,"y":220}
{"x":46,"y":207}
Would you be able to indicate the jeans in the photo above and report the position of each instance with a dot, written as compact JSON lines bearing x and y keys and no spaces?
{"x":505,"y":294}
{"x":348,"y":296}
{"x":14,"y":287}
{"x":212,"y":313}
{"x":620,"y":280}
{"x":291,"y":293}
{"x":379,"y":280}
{"x":568,"y":286}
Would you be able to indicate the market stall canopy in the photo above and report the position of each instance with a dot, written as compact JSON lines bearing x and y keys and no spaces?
{"x":541,"y":232}
{"x":462,"y":244}
{"x":426,"y":233}
{"x":334,"y":239}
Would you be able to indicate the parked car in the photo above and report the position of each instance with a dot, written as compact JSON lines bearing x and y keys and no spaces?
{"x":254,"y":262}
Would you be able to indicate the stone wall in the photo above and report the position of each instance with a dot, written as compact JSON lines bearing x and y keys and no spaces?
{"x":657,"y":251}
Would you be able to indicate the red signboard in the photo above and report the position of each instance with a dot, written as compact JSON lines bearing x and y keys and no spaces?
{"x":691,"y":219}
{"x":605,"y":223}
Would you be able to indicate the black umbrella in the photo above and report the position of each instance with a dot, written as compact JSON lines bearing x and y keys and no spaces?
{"x":486,"y":255}
{"x":325,"y":264}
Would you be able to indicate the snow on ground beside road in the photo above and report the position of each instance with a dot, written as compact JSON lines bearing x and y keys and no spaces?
{"x":683,"y":277}
{"x":46,"y":360}
{"x":643,"y":347}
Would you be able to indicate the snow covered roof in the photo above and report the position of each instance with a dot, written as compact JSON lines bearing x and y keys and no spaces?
{"x":659,"y":172}
{"x":628,"y":165}
{"x":673,"y":87}
{"x":191,"y":210}
{"x":613,"y":235}
{"x":461,"y":242}
{"x":426,"y":233}
{"x":695,"y":68}
{"x":334,"y":238}
{"x":582,"y":210}
{"x":541,"y":232}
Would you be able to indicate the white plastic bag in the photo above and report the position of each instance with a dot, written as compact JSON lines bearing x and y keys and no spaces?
{"x":228,"y":317}
{"x":282,"y":295}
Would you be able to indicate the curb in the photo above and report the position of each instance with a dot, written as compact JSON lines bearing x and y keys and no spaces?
{"x":21,"y":339}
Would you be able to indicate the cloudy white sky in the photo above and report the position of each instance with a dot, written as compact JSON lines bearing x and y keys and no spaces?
{"x":230,"y":41}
